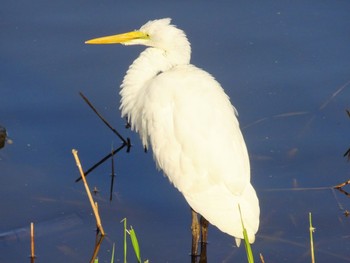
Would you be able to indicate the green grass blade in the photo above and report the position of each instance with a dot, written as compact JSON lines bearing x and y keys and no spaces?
{"x":125,"y":245}
{"x":312,"y":229}
{"x":247,"y":246}
{"x":112,"y":258}
{"x":135,"y":244}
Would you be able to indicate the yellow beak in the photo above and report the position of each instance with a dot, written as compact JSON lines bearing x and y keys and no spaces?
{"x":118,"y":39}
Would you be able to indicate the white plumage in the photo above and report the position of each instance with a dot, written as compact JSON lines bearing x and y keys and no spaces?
{"x":186,"y":117}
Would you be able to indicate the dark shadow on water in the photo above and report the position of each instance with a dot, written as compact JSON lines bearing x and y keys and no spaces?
{"x":125,"y":142}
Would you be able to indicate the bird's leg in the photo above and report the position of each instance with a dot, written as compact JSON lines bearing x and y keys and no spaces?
{"x":195,"y":227}
{"x":204,"y":228}
{"x":204,"y":237}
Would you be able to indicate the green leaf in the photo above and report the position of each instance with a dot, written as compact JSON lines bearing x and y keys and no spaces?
{"x":247,"y":246}
{"x":135,"y":244}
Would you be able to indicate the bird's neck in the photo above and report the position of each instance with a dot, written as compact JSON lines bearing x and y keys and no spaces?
{"x":147,"y":66}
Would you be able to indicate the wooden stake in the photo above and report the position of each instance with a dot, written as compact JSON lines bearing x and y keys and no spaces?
{"x":32,"y":250}
{"x":94,"y":208}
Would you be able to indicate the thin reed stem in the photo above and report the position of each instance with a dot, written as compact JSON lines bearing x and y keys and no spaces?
{"x":32,"y":247}
{"x":312,"y":229}
{"x":94,"y":207}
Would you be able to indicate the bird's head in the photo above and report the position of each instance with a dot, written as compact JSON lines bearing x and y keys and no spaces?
{"x":156,"y":33}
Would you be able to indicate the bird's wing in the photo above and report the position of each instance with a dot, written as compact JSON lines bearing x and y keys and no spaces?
{"x":194,"y":132}
{"x":197,"y":142}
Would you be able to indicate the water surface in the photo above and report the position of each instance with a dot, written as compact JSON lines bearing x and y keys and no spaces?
{"x":285,"y":66}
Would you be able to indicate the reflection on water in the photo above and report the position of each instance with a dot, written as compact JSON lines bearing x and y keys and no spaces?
{"x":47,"y":228}
{"x":286,"y":68}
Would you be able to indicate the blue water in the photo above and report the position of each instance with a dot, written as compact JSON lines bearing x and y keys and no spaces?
{"x":285,"y":66}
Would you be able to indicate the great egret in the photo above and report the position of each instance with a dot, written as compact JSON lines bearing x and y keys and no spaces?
{"x":187,"y":118}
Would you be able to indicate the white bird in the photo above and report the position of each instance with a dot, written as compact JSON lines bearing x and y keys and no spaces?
{"x":186,"y":117}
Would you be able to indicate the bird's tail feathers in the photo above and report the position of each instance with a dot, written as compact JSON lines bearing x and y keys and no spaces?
{"x":222,"y":211}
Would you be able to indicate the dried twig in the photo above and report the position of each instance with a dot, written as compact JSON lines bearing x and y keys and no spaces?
{"x":262,"y":258}
{"x":98,"y":243}
{"x":102,"y":160}
{"x":94,"y":207}
{"x":32,"y":248}
{"x":112,"y":179}
{"x":339,"y":186}
{"x":100,"y":116}
{"x":125,"y":142}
